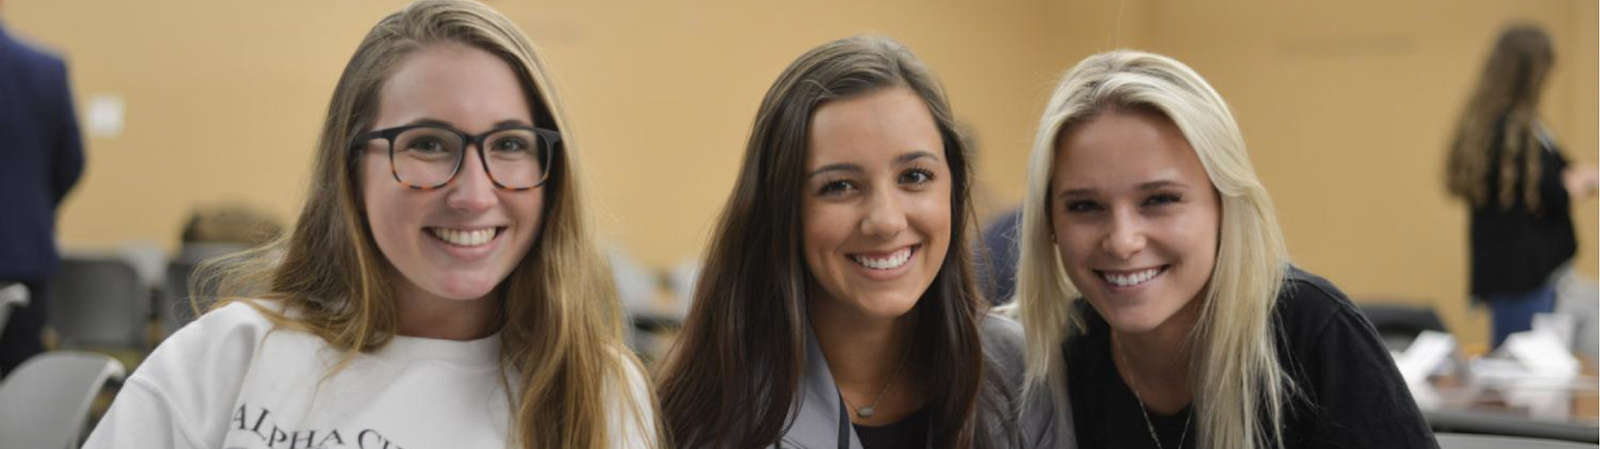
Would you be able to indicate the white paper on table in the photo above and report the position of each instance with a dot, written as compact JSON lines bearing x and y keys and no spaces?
{"x":1542,"y":353}
{"x":1425,"y":354}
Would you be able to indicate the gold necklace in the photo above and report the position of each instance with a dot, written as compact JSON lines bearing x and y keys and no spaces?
{"x":1148,"y":425}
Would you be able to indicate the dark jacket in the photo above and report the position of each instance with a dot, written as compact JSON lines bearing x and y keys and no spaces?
{"x":41,"y":157}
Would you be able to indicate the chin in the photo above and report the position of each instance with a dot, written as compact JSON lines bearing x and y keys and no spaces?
{"x":889,"y":308}
{"x":465,"y":290}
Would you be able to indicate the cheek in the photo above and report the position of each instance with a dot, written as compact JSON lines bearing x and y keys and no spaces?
{"x":379,"y":199}
{"x":930,"y":215}
{"x":822,"y":228}
{"x":1073,"y":242}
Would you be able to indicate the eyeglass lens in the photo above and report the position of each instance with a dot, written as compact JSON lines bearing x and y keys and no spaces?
{"x":428,"y":156}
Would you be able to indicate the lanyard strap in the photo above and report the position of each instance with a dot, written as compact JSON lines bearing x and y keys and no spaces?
{"x":844,"y":425}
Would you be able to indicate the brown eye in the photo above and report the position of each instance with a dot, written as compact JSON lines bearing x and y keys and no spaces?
{"x":916,"y":176}
{"x":835,"y":188}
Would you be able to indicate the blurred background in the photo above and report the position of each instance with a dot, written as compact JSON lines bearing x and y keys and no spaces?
{"x":199,"y":118}
{"x":1347,"y":106}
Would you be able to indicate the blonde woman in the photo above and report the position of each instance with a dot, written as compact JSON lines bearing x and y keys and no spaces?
{"x":1155,"y":287}
{"x":440,"y":288}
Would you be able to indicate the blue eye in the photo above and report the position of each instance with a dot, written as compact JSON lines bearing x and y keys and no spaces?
{"x":1162,"y":199}
{"x":1082,"y":206}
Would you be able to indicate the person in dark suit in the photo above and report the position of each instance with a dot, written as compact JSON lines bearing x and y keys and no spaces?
{"x":43,"y":158}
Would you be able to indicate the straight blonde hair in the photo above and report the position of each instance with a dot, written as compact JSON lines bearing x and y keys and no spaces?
{"x":559,"y":317}
{"x":1234,"y":371}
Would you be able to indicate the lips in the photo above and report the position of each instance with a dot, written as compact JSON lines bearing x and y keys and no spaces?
{"x":885,"y":261}
{"x":1134,"y":278}
{"x":465,"y":237}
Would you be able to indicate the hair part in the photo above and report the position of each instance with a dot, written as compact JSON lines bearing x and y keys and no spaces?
{"x":559,"y":317}
{"x":1501,"y":117}
{"x":734,"y":376}
{"x":1234,"y":372}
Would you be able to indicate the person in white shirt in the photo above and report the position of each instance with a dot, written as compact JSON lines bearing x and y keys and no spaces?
{"x":440,"y":288}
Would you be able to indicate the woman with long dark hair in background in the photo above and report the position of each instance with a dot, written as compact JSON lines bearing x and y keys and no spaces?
{"x":1507,"y":167}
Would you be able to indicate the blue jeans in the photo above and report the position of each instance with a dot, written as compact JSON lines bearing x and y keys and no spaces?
{"x":1513,"y":312}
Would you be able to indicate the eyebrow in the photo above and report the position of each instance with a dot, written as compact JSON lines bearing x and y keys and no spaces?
{"x":437,"y":122}
{"x":849,"y":167}
{"x":1150,"y":185}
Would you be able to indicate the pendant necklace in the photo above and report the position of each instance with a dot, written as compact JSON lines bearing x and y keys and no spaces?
{"x":1148,"y":425}
{"x":870,"y":409}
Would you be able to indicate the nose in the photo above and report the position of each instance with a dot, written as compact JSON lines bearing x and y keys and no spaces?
{"x":471,"y":190}
{"x":1126,"y":236}
{"x":885,"y":217}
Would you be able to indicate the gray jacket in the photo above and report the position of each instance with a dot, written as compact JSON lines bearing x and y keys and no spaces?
{"x":821,"y":421}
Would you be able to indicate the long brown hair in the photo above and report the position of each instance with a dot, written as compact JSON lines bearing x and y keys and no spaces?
{"x":1503,"y":114}
{"x":735,"y":373}
{"x":559,"y":318}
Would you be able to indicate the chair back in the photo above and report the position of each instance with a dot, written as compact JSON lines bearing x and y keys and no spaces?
{"x":45,"y":402}
{"x":99,"y":302}
{"x":1399,"y":324}
{"x":12,"y":295}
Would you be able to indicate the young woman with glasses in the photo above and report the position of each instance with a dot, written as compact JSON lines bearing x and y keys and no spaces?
{"x":1156,"y":288}
{"x":440,"y":288}
{"x":837,"y":307}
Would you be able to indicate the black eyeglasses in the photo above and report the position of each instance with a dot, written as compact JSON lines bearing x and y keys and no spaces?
{"x":428,"y":156}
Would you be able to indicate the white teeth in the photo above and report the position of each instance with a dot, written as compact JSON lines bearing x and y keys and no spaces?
{"x":893,"y":261}
{"x":459,"y":237}
{"x":1131,"y":279}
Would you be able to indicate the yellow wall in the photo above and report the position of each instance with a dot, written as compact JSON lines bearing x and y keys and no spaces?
{"x":1346,"y":104}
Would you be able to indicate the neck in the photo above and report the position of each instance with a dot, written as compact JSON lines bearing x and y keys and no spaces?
{"x":866,"y":357}
{"x":860,"y":349}
{"x":1155,"y":364}
{"x":426,"y":315}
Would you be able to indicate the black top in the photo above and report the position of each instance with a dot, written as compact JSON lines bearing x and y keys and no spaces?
{"x":1515,"y":249}
{"x":1348,"y":392}
{"x":910,"y":432}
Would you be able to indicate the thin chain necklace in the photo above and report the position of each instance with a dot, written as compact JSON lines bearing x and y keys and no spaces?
{"x":1147,"y":423}
{"x":870,"y":409}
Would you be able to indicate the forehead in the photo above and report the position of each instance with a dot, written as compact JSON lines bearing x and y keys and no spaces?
{"x":466,"y":86}
{"x":877,"y":126}
{"x":1123,"y":147}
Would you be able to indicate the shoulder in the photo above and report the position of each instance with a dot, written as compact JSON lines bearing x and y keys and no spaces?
{"x":1309,"y":300}
{"x":633,"y":416}
{"x":235,"y":327}
{"x":1319,"y":324}
{"x":1001,"y":335}
{"x":183,"y":390}
{"x":1004,"y":347}
{"x":28,"y":55}
{"x":220,"y":343}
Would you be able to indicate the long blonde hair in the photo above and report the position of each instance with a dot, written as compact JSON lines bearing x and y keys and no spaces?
{"x":559,"y":318}
{"x":1234,"y":372}
{"x":1503,"y":113}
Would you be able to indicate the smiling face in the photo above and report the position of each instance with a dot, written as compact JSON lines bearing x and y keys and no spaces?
{"x":1136,"y":218}
{"x":875,"y":204}
{"x":457,"y":242}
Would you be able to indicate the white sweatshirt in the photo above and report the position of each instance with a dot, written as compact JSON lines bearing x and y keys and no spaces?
{"x":232,"y":380}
